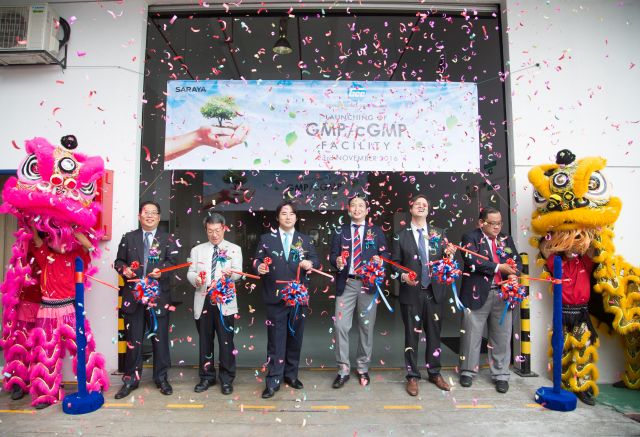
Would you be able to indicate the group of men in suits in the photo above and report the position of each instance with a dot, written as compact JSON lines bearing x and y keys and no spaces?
{"x":284,"y":256}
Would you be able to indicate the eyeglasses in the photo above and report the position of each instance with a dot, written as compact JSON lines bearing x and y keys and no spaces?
{"x":494,"y":224}
{"x":149,"y":213}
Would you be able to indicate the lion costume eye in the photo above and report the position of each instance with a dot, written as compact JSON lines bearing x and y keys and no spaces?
{"x":29,"y":169}
{"x":539,"y":199}
{"x":560,"y":180}
{"x":67,"y":165}
{"x":597,"y":186}
{"x":88,"y":189}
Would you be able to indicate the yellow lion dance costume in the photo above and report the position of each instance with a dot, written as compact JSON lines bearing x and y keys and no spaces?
{"x":576,"y":213}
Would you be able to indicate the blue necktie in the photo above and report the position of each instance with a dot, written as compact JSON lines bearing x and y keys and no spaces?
{"x":287,"y":244}
{"x":147,"y":246}
{"x":425,"y":280}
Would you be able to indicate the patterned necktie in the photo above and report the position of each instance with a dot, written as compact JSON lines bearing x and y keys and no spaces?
{"x":357,"y":249}
{"x":425,"y":280}
{"x":147,"y":246}
{"x":287,"y":245}
{"x":497,"y":278}
{"x":214,"y":262}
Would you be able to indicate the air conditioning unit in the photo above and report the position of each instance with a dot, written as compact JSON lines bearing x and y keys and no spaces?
{"x":29,"y":35}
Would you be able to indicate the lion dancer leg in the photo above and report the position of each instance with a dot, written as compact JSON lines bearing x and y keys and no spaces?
{"x":21,"y":300}
{"x":17,"y":357}
{"x":15,"y":371}
{"x":581,"y":372}
{"x":631,"y":377}
{"x":579,"y":354}
{"x":55,"y":327}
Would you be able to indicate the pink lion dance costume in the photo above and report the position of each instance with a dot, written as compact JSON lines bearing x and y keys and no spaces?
{"x":53,"y":193}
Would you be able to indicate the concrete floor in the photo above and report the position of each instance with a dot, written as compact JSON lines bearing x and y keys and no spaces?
{"x":383,"y":408}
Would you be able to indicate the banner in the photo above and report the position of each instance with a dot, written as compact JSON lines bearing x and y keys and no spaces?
{"x":322,"y":125}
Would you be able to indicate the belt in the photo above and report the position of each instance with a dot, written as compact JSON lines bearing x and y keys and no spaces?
{"x":57,"y":303}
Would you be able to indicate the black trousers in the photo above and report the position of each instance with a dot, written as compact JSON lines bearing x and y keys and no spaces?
{"x":209,"y":325}
{"x":425,"y":316}
{"x":135,"y":325}
{"x":283,"y":345}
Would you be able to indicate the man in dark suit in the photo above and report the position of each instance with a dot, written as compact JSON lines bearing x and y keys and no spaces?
{"x":364,"y":242}
{"x":480,"y":295}
{"x":153,"y":249}
{"x":421,"y":298}
{"x":288,"y":250}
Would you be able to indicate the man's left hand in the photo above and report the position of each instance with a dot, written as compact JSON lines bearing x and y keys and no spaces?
{"x":450,"y":249}
{"x":306,"y":264}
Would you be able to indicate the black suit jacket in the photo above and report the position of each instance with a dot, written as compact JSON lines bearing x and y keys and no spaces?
{"x":405,"y":253}
{"x":131,"y":249}
{"x":270,"y":245}
{"x":478,"y":273}
{"x":341,"y":240}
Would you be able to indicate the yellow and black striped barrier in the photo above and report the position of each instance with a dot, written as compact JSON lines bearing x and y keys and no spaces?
{"x":525,"y":324}
{"x":122,"y":342}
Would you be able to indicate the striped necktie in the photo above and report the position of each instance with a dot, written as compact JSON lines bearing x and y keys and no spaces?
{"x":147,"y":246}
{"x":357,"y":249}
{"x":214,"y":262}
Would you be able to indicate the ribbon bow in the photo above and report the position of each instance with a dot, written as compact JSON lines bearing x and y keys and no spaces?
{"x":446,"y":271}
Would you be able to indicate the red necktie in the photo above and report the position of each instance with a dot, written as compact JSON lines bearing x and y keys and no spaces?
{"x":497,"y":278}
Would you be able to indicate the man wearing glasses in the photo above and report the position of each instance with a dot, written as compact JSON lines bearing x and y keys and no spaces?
{"x":210,"y":262}
{"x":480,"y":295}
{"x":142,"y":253}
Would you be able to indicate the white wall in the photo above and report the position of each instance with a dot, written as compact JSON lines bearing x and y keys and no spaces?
{"x":585,"y":102}
{"x":112,"y":34}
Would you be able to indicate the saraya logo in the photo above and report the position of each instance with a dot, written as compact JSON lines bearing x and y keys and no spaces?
{"x":357,"y":92}
{"x":191,"y":89}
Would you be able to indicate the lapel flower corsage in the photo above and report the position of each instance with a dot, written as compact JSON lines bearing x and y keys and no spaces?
{"x":296,"y":253}
{"x":369,"y":240}
{"x":502,"y":249}
{"x":223,"y":256}
{"x":434,"y":238}
{"x":154,"y":252}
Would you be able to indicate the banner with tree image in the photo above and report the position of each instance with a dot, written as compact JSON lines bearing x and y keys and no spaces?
{"x":322,"y":125}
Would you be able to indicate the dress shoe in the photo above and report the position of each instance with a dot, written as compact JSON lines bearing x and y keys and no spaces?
{"x":586,"y":397}
{"x":439,"y":381}
{"x":125,"y":390}
{"x":165,"y":387}
{"x":340,"y":380}
{"x":203,"y":385}
{"x":412,"y":386}
{"x":364,"y":378}
{"x":466,"y":380}
{"x":269,"y":392}
{"x":297,"y":384}
{"x":226,"y":388}
{"x":502,"y":386}
{"x":16,"y":392}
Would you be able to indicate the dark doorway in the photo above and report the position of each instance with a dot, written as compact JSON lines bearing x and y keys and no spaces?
{"x":421,"y":45}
